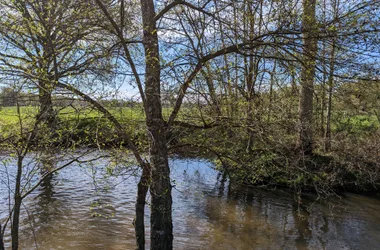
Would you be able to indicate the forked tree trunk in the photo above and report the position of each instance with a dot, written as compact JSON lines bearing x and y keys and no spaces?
{"x":307,"y":77}
{"x":160,"y":189}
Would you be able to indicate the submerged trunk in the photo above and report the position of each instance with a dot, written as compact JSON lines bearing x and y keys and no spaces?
{"x":142,"y":190}
{"x":160,"y":189}
{"x":1,"y":239}
{"x":307,"y":77}
{"x":17,"y":207}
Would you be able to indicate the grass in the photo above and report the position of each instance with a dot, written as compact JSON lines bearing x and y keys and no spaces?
{"x":9,"y":115}
{"x":87,"y":124}
{"x":82,"y":123}
{"x":128,"y":115}
{"x":135,"y":116}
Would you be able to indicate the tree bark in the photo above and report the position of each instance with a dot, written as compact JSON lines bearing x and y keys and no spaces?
{"x":142,"y":190}
{"x":46,"y":112}
{"x":323,"y":103}
{"x":229,"y":94}
{"x":160,"y":189}
{"x":324,"y":78}
{"x":1,"y":239}
{"x":251,"y":73}
{"x":17,"y":206}
{"x":327,"y":144}
{"x":307,"y":77}
{"x":272,"y":83}
{"x":210,"y":84}
{"x":329,"y":100}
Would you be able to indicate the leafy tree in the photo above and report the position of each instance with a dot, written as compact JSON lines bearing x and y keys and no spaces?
{"x":44,"y":42}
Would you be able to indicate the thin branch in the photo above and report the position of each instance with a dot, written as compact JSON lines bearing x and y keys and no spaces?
{"x":181,"y":2}
{"x":54,"y":171}
{"x":182,"y":92}
{"x":110,"y":117}
{"x":124,"y":43}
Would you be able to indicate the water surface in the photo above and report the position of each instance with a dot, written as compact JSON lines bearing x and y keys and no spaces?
{"x":81,"y":209}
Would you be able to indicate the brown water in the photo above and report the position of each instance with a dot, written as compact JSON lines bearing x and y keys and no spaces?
{"x":71,"y":211}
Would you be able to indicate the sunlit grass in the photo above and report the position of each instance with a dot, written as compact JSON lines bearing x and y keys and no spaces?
{"x":10,"y":115}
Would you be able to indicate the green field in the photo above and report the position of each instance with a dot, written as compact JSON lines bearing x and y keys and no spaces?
{"x":82,"y":121}
{"x":10,"y":115}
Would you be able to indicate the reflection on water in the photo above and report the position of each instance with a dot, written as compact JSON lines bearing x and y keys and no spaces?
{"x":69,"y":211}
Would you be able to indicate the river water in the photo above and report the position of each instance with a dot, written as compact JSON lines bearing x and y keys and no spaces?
{"x":74,"y":210}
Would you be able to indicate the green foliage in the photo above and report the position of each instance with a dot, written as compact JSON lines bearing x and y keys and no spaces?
{"x":273,"y":158}
{"x":359,"y":124}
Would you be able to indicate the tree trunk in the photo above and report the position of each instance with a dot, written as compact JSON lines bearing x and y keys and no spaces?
{"x":272,"y":82}
{"x":46,"y":113}
{"x":211,"y":89}
{"x":307,"y":77}
{"x":323,"y":103}
{"x":324,"y":78}
{"x":328,"y":121}
{"x":160,"y":189}
{"x":46,"y":84}
{"x":1,"y":239}
{"x":251,"y":80}
{"x":329,"y":100}
{"x":229,"y":94}
{"x":142,"y":190}
{"x":17,"y":206}
{"x":327,"y":144}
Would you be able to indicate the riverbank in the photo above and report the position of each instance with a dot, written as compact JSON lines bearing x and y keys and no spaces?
{"x":271,"y":159}
{"x":274,"y":160}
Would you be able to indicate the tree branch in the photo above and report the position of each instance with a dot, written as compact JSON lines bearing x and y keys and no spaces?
{"x":228,"y":50}
{"x":124,"y":43}
{"x":111,"y":118}
{"x":181,"y":2}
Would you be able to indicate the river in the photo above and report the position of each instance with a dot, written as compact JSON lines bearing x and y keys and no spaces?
{"x":74,"y":210}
